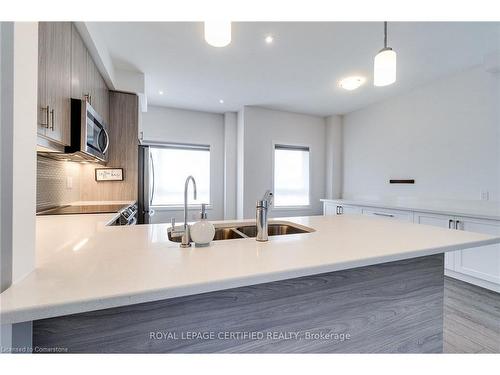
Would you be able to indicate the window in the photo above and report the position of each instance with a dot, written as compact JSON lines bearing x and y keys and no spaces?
{"x":291,"y":176}
{"x":172,"y":164}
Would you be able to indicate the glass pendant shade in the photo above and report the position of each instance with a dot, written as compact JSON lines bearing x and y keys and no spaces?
{"x":384,"y":72}
{"x":218,"y":33}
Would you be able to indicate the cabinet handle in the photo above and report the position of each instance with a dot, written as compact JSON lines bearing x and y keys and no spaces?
{"x":449,"y":223}
{"x":457,"y":223}
{"x":337,"y":210}
{"x":52,"y":117}
{"x":381,"y":214}
{"x":47,"y":110}
{"x":88,"y":98}
{"x":341,"y":210}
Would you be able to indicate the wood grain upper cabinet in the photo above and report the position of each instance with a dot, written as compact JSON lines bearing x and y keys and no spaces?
{"x":104,"y":94}
{"x":86,"y":80}
{"x":79,"y":60}
{"x":43,"y":102}
{"x":54,"y":84}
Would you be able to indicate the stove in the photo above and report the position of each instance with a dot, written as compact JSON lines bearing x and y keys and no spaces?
{"x":84,"y":209}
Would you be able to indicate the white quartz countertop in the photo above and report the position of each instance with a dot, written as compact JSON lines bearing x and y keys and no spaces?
{"x":477,"y":209}
{"x":84,"y":265}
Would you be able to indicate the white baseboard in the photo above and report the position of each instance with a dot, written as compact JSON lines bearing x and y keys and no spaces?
{"x":473,"y":280}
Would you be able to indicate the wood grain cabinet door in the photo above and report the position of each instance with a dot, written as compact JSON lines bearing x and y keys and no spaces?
{"x":58,"y":80}
{"x":93,"y":83}
{"x":43,"y":103}
{"x":104,"y":93}
{"x":79,"y":79}
{"x":86,"y":80}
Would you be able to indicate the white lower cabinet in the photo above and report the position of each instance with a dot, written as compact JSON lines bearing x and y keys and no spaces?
{"x":483,"y":262}
{"x":339,"y":209}
{"x":442,"y":221}
{"x":479,"y":266}
{"x":350,"y":210}
{"x":389,"y":214}
{"x":330,"y":209}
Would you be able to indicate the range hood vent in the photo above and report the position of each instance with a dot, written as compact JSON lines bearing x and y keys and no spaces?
{"x":75,"y":157}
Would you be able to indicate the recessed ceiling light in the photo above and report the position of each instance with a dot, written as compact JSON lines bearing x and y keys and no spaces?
{"x":221,"y":101}
{"x":351,"y":83}
{"x":269,"y":39}
{"x":160,"y":92}
{"x":218,"y":33}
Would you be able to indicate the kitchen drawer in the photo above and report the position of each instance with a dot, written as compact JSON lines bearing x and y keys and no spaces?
{"x":389,"y":214}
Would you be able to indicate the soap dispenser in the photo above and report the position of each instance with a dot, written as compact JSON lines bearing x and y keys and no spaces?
{"x":203,"y":231}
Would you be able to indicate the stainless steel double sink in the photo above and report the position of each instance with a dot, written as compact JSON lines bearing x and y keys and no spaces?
{"x":245,"y":230}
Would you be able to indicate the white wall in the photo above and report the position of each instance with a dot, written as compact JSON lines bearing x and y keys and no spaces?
{"x":445,"y":135}
{"x":161,"y":124}
{"x":240,"y":163}
{"x":19,"y":69}
{"x":333,"y":144}
{"x":6,"y":136}
{"x":24,"y":147}
{"x":263,"y":127}
{"x":230,"y":164}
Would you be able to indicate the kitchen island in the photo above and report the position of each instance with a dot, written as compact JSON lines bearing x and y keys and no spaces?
{"x":354,"y":284}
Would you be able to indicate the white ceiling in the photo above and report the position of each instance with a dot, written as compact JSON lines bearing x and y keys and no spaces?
{"x":300,"y":71}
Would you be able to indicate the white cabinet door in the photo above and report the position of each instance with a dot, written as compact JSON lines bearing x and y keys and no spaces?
{"x":332,"y":208}
{"x":352,"y":210}
{"x":388,"y":214}
{"x":480,"y":262}
{"x":442,"y":221}
{"x":329,"y":208}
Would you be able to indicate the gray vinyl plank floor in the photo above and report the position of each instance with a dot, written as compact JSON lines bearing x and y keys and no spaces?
{"x":471,"y":318}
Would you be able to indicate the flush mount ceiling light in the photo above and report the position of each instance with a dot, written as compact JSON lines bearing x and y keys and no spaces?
{"x":351,"y":83}
{"x":221,"y":101}
{"x":218,"y":33}
{"x":269,"y":39}
{"x":384,"y":69}
{"x":160,"y":92}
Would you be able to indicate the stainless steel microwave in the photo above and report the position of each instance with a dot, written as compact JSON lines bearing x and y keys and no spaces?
{"x":89,"y":135}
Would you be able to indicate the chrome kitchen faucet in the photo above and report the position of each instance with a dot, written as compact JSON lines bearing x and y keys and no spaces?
{"x":186,"y":238}
{"x":261,"y":216}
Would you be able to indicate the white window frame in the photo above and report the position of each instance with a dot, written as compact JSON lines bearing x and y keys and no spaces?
{"x":191,"y":206}
{"x":273,"y":150}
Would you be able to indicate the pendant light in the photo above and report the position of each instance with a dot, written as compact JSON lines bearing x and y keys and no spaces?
{"x":384,"y":71}
{"x":218,"y":33}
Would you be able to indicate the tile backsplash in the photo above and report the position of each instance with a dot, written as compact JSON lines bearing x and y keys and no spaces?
{"x":57,"y":182}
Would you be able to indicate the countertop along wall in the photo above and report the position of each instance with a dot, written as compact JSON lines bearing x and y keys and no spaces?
{"x":162,"y":124}
{"x":445,"y":135}
{"x":261,"y":127}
